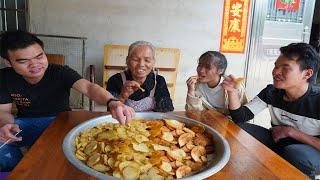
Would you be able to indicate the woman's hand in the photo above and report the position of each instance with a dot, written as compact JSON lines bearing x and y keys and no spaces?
{"x":128,"y":88}
{"x":6,"y":133}
{"x":191,"y":83}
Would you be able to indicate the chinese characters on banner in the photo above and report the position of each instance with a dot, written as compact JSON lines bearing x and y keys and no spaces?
{"x":234,"y":26}
{"x":292,"y":5}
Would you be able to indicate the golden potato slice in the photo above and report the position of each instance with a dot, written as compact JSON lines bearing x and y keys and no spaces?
{"x":174,"y":123}
{"x":111,"y":162}
{"x":76,"y":142}
{"x":105,"y":159}
{"x":164,"y":159}
{"x":201,"y":140}
{"x":154,"y":159}
{"x":124,"y":164}
{"x":80,"y":157}
{"x":179,"y":164}
{"x":158,"y":147}
{"x":153,"y":171}
{"x":177,"y":154}
{"x":197,"y":152}
{"x":174,"y":133}
{"x":164,"y":129}
{"x":140,"y":138}
{"x":239,"y":80}
{"x":203,"y":158}
{"x":145,"y":168}
{"x":94,"y":159}
{"x":185,"y":149}
{"x":179,"y":132}
{"x":184,"y":139}
{"x":107,"y":148}
{"x":166,"y":166}
{"x":100,"y":168}
{"x":102,"y":147}
{"x":139,"y":157}
{"x":140,"y":147}
{"x":155,"y":132}
{"x":130,"y":172}
{"x":198,"y":129}
{"x":153,"y":124}
{"x":116,"y":164}
{"x":190,"y":145}
{"x":167,"y":136}
{"x":122,"y":133}
{"x":103,"y":136}
{"x":189,"y":131}
{"x":183,"y":171}
{"x":116,"y":174}
{"x":91,"y":146}
{"x":125,"y":157}
{"x":81,"y":153}
{"x":196,"y":166}
{"x":144,"y":177}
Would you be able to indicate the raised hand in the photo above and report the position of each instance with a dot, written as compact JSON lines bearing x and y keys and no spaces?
{"x":191,"y":83}
{"x":128,"y":88}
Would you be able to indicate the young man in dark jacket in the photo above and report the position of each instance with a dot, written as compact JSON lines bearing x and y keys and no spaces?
{"x":294,"y":106}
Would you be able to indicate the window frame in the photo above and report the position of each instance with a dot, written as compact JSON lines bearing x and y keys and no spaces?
{"x":4,"y":10}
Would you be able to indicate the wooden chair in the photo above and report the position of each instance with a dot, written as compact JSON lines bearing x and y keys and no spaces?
{"x":56,"y":59}
{"x":167,"y":61}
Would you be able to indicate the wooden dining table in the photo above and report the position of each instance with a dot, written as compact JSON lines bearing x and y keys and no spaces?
{"x":249,"y":158}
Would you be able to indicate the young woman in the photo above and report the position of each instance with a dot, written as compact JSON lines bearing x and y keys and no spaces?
{"x":204,"y":90}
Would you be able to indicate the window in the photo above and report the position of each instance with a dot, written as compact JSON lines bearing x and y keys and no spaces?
{"x":274,"y":14}
{"x":13,"y":15}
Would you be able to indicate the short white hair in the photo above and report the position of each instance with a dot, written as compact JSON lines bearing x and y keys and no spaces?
{"x":141,"y":43}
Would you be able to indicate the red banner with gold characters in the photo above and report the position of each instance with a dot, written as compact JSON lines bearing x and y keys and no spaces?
{"x":292,"y":5}
{"x":234,"y":26}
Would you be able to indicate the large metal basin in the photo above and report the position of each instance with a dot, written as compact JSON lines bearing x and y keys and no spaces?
{"x":220,"y":159}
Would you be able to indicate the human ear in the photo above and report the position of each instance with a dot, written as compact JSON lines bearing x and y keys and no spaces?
{"x":308,"y":73}
{"x":7,"y":63}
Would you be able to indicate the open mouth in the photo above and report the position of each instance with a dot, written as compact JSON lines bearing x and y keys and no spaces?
{"x":141,"y":71}
{"x":35,"y":70}
{"x":277,"y":79}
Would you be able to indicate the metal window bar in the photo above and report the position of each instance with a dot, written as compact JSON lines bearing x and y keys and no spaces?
{"x":4,"y":10}
{"x":281,"y":15}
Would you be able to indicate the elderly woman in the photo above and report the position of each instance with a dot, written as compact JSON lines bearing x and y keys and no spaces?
{"x":204,"y":90}
{"x":139,"y":86}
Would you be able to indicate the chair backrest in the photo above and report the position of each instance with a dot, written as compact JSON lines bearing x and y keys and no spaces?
{"x":167,"y":62}
{"x":56,"y":59}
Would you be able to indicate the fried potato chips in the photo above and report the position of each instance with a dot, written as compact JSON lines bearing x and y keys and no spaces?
{"x":155,"y":149}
